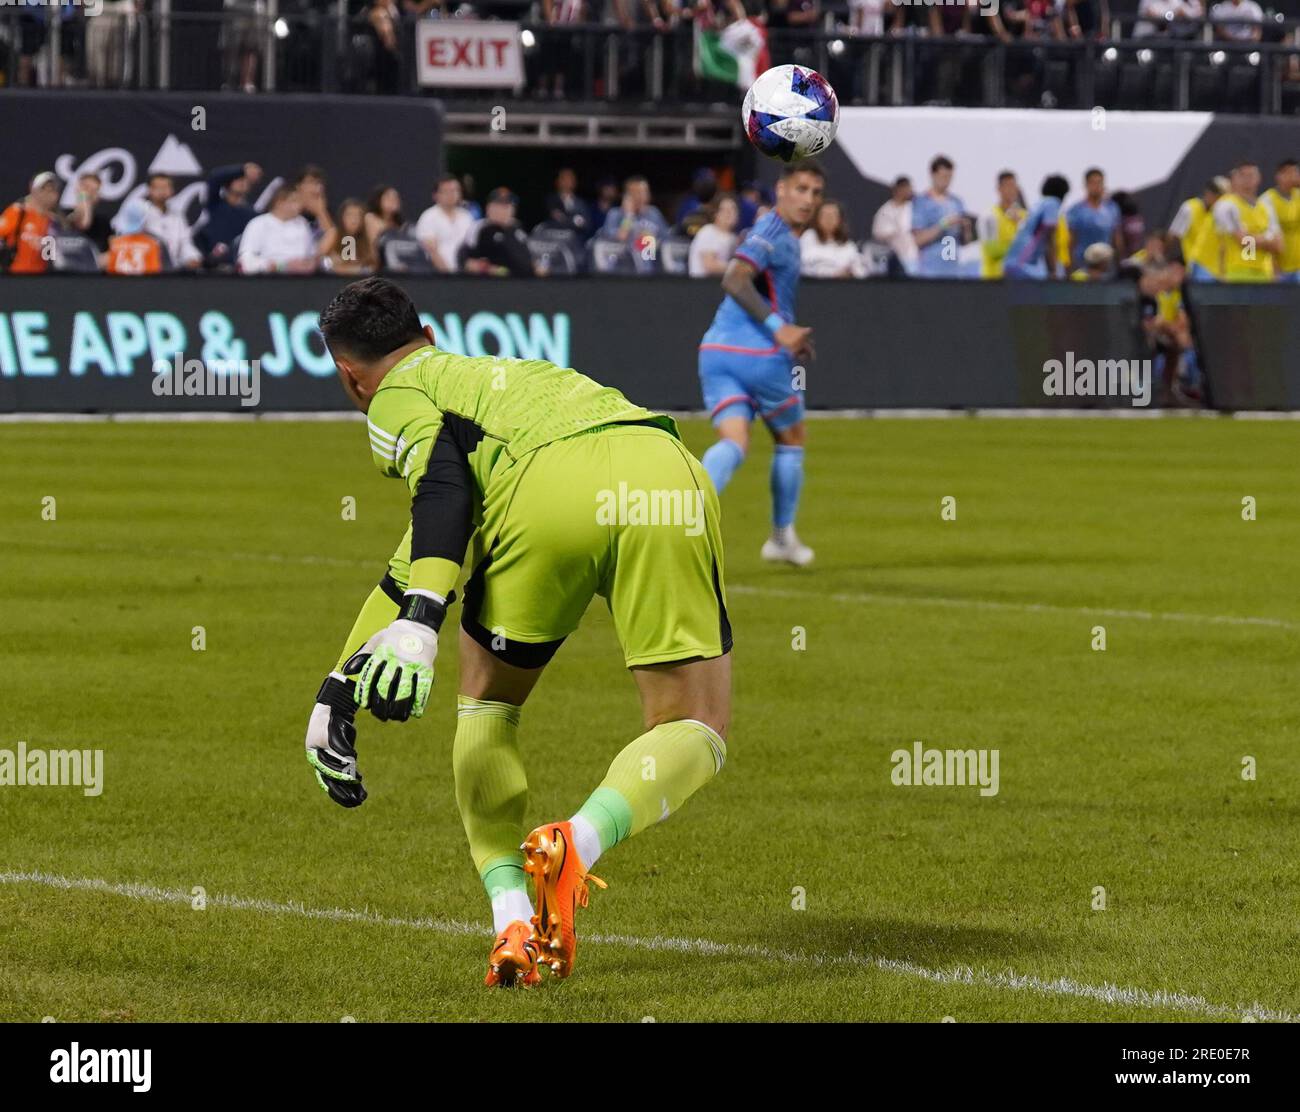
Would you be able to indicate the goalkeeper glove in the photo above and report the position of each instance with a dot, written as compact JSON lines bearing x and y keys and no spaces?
{"x":332,"y":737}
{"x":395,"y":682}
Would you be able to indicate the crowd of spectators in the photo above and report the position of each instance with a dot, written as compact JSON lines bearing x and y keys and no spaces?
{"x":98,"y":44}
{"x":252,"y":225}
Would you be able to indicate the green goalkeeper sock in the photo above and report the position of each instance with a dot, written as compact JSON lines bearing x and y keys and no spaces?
{"x":491,"y":792}
{"x":647,"y":782}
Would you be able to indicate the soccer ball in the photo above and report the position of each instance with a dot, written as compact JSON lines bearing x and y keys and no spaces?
{"x":791,"y":112}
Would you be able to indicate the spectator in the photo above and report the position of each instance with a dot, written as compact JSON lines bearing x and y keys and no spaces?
{"x":825,"y":248}
{"x":565,"y":209}
{"x":1238,"y":20}
{"x":1086,"y":19}
{"x":1284,"y":200}
{"x":1249,"y":234}
{"x":1152,"y":252}
{"x":939,"y":225}
{"x":498,"y":244}
{"x":561,"y":49}
{"x":1032,"y":253}
{"x":279,"y":241}
{"x":1132,"y":225}
{"x":713,"y":243}
{"x":445,"y":225}
{"x":383,"y":213}
{"x":606,"y":201}
{"x":1098,"y":262}
{"x":353,"y":252}
{"x":25,"y":224}
{"x":1194,"y":226}
{"x":310,"y":186}
{"x":228,"y":210}
{"x":88,"y":216}
{"x":999,"y":225}
{"x":384,"y":18}
{"x":704,"y":187}
{"x":752,"y":198}
{"x":636,"y":218}
{"x":1095,"y":219}
{"x":167,"y":227}
{"x":133,"y":251}
{"x":892,"y":226}
{"x":1168,"y":17}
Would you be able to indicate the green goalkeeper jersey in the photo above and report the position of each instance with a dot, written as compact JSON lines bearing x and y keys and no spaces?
{"x":439,"y":421}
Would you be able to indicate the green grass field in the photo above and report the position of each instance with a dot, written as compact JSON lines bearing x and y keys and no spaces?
{"x":1120,"y":769}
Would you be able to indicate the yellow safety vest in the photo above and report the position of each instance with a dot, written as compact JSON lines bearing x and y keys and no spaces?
{"x":1201,"y":243}
{"x":995,"y":250}
{"x":1254,"y":222}
{"x":1288,"y":216}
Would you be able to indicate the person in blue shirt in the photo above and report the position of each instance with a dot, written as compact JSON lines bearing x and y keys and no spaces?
{"x":1032,"y":253}
{"x":748,"y":356}
{"x":636,"y":218}
{"x":939,"y":225}
{"x":228,"y":209}
{"x":1095,"y":219}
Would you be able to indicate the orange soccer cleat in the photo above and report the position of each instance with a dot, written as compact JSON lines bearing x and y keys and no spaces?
{"x":560,"y":879}
{"x":513,"y":960}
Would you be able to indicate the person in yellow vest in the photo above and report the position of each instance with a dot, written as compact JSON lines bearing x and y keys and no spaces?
{"x":1194,"y":227}
{"x":1248,"y":232}
{"x":1284,"y":200}
{"x":998,"y":226}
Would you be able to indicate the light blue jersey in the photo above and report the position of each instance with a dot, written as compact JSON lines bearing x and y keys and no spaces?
{"x":772,"y":249}
{"x":1090,"y":225}
{"x":1027,"y":255}
{"x":939,"y":259}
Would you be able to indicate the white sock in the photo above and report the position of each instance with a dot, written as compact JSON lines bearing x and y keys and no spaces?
{"x":783,"y":534}
{"x":508,"y":905}
{"x":586,"y":839}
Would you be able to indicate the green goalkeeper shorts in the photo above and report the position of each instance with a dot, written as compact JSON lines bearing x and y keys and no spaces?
{"x":623,"y":511}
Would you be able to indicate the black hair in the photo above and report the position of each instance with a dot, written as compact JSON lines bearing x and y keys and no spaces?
{"x":1091,"y":171}
{"x":1287,"y":162}
{"x":1005,"y":175}
{"x":369,"y":319}
{"x":1054,"y":185}
{"x":940,"y":162}
{"x":803,"y":166}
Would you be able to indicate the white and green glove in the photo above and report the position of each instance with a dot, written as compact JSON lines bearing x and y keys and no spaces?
{"x":395,"y":682}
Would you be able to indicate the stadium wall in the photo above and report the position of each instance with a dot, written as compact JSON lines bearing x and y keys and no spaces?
{"x":89,"y":344}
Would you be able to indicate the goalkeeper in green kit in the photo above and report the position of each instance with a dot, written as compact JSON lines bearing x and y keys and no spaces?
{"x":558,"y":489}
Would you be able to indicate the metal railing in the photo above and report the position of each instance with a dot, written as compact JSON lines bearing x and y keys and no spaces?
{"x":265,"y":46}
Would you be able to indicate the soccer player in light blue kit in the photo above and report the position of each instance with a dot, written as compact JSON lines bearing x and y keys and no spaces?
{"x":1032,"y":253}
{"x":748,"y":355}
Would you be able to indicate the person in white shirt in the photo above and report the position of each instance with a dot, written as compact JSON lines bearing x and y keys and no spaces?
{"x":892,"y":225}
{"x":1161,"y":17}
{"x":712,"y":246}
{"x":826,"y":249}
{"x":280,"y":240}
{"x":167,"y":227}
{"x":1247,"y":20}
{"x":444,"y":227}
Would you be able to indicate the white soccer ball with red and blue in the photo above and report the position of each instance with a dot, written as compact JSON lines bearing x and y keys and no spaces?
{"x":791,"y":112}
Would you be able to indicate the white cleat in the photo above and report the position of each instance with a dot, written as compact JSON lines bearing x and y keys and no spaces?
{"x":785,"y":548}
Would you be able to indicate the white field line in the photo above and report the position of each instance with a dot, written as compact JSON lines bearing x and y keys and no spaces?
{"x":862,"y":597}
{"x":1159,"y":1000}
{"x":1020,"y":607}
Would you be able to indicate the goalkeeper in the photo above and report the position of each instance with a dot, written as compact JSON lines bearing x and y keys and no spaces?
{"x":544,"y":477}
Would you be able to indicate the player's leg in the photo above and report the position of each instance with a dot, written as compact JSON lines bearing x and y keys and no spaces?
{"x":780,"y":396}
{"x":664,"y":589}
{"x":527,"y":593}
{"x":731,"y":412}
{"x":491,"y":793}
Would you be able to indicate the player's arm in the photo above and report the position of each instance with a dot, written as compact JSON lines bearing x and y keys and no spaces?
{"x":738,"y":284}
{"x":412,"y":441}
